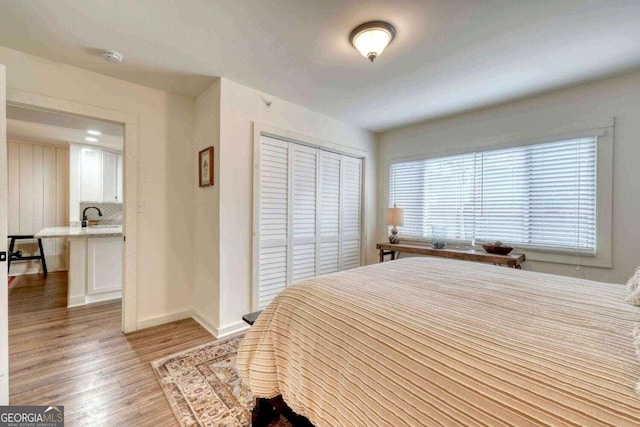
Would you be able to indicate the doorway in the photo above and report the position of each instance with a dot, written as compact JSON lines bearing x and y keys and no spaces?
{"x":65,"y":192}
{"x":128,"y":121}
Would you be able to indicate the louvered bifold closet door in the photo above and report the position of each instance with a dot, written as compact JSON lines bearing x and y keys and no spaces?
{"x":328,"y":256}
{"x":304,"y":184}
{"x":274,"y":218}
{"x":351,"y":183}
{"x":307,"y":213}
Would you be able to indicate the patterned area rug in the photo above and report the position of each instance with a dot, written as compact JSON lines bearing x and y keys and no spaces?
{"x":203,"y":387}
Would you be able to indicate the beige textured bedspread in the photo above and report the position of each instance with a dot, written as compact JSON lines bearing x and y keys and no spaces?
{"x":426,"y":341}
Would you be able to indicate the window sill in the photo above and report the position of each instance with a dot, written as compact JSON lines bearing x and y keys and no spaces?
{"x":556,"y":258}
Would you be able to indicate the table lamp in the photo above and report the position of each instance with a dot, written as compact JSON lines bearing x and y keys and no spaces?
{"x":395,"y":217}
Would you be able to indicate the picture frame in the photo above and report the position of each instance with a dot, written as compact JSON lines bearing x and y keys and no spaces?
{"x":205,"y":167}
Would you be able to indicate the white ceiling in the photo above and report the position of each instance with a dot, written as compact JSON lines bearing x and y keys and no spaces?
{"x":448,"y":56}
{"x":46,"y":127}
{"x":63,"y":120}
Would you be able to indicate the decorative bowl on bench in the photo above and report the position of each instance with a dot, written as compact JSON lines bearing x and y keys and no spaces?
{"x":497,"y":249}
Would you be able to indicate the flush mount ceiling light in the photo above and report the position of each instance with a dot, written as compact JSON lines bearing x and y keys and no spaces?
{"x":91,"y":139}
{"x":94,"y":132}
{"x":372,"y":37}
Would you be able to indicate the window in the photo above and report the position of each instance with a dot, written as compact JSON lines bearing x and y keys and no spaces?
{"x":540,"y":196}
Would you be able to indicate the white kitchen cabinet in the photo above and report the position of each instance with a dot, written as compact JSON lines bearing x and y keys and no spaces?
{"x":109,"y":177}
{"x":91,"y":175}
{"x":95,"y":262}
{"x":100,"y":176}
{"x":119,"y":176}
{"x":104,"y":265}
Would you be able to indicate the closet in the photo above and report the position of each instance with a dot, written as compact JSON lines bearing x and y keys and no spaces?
{"x":307,"y":208}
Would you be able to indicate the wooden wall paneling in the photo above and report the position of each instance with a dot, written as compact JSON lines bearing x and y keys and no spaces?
{"x":26,"y":189}
{"x":62,"y":190}
{"x":38,"y":181}
{"x":38,"y":189}
{"x":25,"y":211}
{"x":38,"y":195}
{"x":26,"y":201}
{"x":13,"y":169}
{"x":49,"y":203}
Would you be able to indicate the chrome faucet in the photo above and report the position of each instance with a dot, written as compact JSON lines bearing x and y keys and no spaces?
{"x":85,"y":220}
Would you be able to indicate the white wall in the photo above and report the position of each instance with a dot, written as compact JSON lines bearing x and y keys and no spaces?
{"x":165,"y":172}
{"x":206,"y":213}
{"x":223,"y":223}
{"x":38,"y":188}
{"x":240,"y":108}
{"x":616,"y":97}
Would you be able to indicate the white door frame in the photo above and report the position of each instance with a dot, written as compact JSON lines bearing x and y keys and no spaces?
{"x":4,"y":318}
{"x":22,"y":98}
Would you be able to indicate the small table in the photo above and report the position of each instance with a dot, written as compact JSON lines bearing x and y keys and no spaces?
{"x":511,"y":260}
{"x":251,"y":317}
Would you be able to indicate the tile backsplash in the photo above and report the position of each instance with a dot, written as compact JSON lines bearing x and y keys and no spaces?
{"x":111,"y":212}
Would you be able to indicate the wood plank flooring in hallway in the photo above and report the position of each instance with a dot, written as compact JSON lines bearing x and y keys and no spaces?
{"x":79,"y":358}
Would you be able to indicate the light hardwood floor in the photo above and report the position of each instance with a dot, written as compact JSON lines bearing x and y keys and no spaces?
{"x":79,"y":358}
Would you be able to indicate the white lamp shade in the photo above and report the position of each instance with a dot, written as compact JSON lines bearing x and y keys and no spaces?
{"x":372,"y":37}
{"x":372,"y":41}
{"x":395,"y":216}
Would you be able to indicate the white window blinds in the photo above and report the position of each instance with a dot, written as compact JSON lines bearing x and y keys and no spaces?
{"x":540,"y":196}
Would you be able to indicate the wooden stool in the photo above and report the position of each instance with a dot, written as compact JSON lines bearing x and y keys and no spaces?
{"x":17,"y":256}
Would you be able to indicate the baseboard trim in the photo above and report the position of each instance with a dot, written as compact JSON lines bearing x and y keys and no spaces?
{"x":234,"y":328}
{"x":219,"y":332}
{"x":107,"y":296}
{"x":204,"y":322}
{"x":81,"y":300}
{"x":75,"y":301}
{"x":164,"y":318}
{"x":198,"y":317}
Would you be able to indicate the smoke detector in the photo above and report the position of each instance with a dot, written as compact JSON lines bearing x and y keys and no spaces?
{"x":112,"y":56}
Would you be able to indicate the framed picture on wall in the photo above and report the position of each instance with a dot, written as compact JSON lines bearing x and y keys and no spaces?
{"x":206,"y":167}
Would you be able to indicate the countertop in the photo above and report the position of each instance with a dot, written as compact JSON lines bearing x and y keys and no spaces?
{"x":78,"y":231}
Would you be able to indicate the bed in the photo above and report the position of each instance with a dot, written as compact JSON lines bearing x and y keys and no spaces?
{"x":429,"y":341}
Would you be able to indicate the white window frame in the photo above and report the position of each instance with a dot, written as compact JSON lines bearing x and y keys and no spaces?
{"x":602,"y":128}
{"x":260,"y":129}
